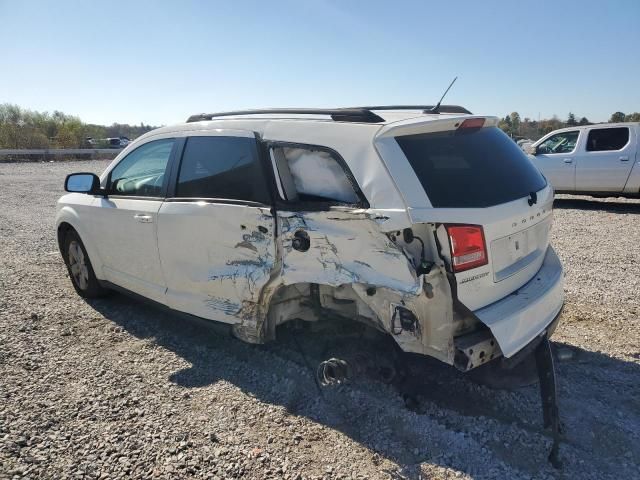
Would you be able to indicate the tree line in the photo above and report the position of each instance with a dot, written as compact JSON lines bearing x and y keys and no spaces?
{"x":22,"y":128}
{"x":518,"y":128}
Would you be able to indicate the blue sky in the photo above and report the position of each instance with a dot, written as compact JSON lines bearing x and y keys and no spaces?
{"x":158,"y":62}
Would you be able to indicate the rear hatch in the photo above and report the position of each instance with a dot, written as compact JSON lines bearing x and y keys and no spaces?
{"x":493,"y":206}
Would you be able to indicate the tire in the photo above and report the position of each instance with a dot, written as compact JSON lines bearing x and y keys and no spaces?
{"x":79,"y":267}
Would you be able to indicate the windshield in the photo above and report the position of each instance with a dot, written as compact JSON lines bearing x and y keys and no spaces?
{"x":478,"y":167}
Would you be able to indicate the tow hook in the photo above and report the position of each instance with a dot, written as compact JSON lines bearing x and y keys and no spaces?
{"x":549,"y":398}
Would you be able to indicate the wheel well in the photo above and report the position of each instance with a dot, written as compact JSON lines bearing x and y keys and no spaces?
{"x":63,"y":229}
{"x":311,"y":302}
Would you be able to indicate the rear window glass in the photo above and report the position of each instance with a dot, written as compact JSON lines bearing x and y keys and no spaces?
{"x":603,"y":139}
{"x":471,"y":167}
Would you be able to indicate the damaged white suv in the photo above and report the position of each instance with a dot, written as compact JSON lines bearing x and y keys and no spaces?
{"x":428,"y":224}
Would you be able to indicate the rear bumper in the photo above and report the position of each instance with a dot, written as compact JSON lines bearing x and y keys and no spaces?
{"x":522,"y":316}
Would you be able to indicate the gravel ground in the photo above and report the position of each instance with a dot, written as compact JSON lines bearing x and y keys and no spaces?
{"x":115,"y":389}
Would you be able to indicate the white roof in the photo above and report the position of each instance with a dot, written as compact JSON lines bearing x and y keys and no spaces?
{"x":365,"y":147}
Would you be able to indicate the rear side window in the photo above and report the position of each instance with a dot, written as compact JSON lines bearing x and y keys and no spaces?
{"x":312,"y":174}
{"x":471,"y":167}
{"x":601,"y":139}
{"x":222,"y":168}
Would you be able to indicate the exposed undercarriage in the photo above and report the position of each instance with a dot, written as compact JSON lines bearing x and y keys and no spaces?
{"x":341,"y":264}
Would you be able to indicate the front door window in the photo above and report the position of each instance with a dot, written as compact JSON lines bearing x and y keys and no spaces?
{"x":564,"y":142}
{"x":142,"y":172}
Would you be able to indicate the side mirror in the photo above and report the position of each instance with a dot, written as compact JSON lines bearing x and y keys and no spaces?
{"x":82,"y":183}
{"x":529,"y":149}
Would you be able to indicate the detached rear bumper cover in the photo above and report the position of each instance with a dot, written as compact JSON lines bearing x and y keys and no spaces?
{"x":517,"y":319}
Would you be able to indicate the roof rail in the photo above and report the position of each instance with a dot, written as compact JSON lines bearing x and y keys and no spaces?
{"x":363,"y":115}
{"x":424,"y":108}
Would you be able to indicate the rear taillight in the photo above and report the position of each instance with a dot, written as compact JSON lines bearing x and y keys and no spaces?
{"x":468,"y":249}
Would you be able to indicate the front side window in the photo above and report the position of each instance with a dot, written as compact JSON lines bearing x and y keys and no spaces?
{"x":222,"y":168}
{"x":309,"y":174}
{"x":602,"y":139}
{"x":564,"y":142}
{"x":142,"y":172}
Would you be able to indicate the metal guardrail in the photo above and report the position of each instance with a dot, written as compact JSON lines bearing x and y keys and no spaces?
{"x":60,"y":151}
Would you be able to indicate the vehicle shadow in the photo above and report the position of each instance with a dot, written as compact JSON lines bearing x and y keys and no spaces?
{"x":597,"y":204}
{"x":283,"y":372}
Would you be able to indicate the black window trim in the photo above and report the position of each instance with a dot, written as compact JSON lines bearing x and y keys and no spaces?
{"x":299,"y":205}
{"x":165,"y":181}
{"x":586,"y":146}
{"x":175,"y":168}
{"x":177,"y":162}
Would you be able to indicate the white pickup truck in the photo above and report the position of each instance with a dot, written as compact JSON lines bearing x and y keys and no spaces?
{"x":599,"y":160}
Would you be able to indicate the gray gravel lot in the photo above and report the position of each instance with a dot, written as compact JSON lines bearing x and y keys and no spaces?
{"x":116,"y":389}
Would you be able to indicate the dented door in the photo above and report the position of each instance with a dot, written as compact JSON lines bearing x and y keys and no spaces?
{"x":216,"y":257}
{"x":216,"y":231}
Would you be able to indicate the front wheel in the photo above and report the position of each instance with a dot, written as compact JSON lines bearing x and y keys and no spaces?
{"x":79,"y":266}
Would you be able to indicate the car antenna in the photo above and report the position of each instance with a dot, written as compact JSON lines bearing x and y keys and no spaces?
{"x":436,"y":109}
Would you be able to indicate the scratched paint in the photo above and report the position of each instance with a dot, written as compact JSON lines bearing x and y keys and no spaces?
{"x":249,"y":240}
{"x":346,"y":247}
{"x":224,"y":305}
{"x":217,"y":257}
{"x":248,"y":264}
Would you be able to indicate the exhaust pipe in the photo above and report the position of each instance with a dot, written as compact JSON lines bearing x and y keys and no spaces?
{"x":333,"y":371}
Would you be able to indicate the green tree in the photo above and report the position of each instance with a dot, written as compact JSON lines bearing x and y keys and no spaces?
{"x":505,"y":125}
{"x":571,"y":120}
{"x":632,"y":117}
{"x":20,"y":128}
{"x":70,"y":134}
{"x":584,"y":121}
{"x":515,"y":122}
{"x":617,"y":117}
